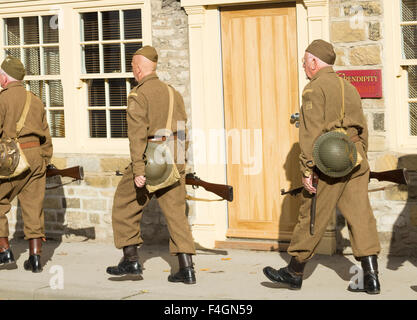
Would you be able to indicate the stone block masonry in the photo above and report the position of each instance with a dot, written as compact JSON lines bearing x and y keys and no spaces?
{"x":82,"y":210}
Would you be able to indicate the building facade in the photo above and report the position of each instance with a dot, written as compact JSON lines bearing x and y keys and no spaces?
{"x":238,"y":65}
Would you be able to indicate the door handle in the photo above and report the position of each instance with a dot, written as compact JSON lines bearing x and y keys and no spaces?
{"x":295,"y":119}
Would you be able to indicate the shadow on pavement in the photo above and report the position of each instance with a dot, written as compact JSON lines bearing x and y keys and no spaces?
{"x":338,"y":263}
{"x":148,"y":252}
{"x":55,"y":206}
{"x":403,"y":244}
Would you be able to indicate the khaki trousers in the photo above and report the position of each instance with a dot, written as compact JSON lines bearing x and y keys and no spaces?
{"x":29,"y":188}
{"x":350,"y":195}
{"x":128,"y":205}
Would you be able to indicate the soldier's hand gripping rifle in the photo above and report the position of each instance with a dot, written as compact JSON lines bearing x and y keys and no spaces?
{"x":76,"y":173}
{"x":222,"y":190}
{"x":399,"y":176}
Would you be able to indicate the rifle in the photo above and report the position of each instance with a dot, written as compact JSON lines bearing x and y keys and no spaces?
{"x":222,"y":190}
{"x":313,"y":204}
{"x":399,"y":176}
{"x":76,"y":173}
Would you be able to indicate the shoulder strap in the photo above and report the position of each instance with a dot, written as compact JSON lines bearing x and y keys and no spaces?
{"x":171,"y":108}
{"x":342,"y":111}
{"x":21,"y":122}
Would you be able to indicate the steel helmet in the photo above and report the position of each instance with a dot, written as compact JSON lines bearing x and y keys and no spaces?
{"x":334,"y":154}
{"x":158,"y":167}
{"x":9,"y":156}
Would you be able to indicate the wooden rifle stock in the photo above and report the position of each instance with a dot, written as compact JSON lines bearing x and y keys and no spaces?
{"x":399,"y":176}
{"x":222,"y":190}
{"x":76,"y":173}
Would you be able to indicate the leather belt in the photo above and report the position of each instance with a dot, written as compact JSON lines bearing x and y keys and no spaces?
{"x":30,"y":144}
{"x":174,"y":136}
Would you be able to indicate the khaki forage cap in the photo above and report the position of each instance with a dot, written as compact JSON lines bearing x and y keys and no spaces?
{"x":148,"y":52}
{"x":322,"y":50}
{"x":13,"y":67}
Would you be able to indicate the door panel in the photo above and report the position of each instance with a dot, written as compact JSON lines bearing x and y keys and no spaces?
{"x":260,"y":94}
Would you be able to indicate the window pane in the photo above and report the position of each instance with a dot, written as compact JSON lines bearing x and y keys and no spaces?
{"x":118,"y":123}
{"x":13,"y":31}
{"x":30,"y":30}
{"x":98,"y":124}
{"x":409,"y":10}
{"x":56,"y":93}
{"x":57,"y":123}
{"x":96,"y":93}
{"x":38,"y":88}
{"x":91,"y":59}
{"x":50,"y":29}
{"x":32,"y":61}
{"x":409,"y":42}
{"x":117,"y":92}
{"x":132,"y":24}
{"x":412,"y":81}
{"x":51,"y":60}
{"x":90,"y":26}
{"x":130,"y":49}
{"x":413,"y":119}
{"x":111,"y":25}
{"x":111,"y":57}
{"x":13,"y":52}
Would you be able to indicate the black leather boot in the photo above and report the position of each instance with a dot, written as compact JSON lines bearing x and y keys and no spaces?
{"x":291,"y":274}
{"x":370,"y":274}
{"x":129,"y":264}
{"x":186,"y":274}
{"x":6,"y":254}
{"x":34,"y":262}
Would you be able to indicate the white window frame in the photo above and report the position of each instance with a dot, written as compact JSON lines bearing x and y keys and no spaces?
{"x":77,"y":136}
{"x":106,"y":76}
{"x":41,"y":45}
{"x":395,"y":82}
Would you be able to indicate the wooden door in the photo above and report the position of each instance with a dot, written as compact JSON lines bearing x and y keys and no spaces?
{"x":259,"y":48}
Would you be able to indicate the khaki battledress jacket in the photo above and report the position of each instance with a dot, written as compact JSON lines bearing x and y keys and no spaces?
{"x":320,"y":113}
{"x":29,"y":187}
{"x":147,"y":114}
{"x":145,"y":121}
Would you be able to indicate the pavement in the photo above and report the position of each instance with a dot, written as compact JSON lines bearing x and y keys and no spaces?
{"x":77,"y":271}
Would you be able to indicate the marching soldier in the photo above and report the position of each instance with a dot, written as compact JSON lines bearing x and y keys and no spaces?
{"x":332,"y":126}
{"x":151,"y":106}
{"x":18,"y":105}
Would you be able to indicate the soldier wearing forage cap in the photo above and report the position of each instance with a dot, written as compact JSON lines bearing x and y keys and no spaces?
{"x":36,"y":144}
{"x":147,"y":113}
{"x":331,"y":105}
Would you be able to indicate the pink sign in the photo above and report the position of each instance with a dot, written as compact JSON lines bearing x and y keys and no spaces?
{"x":367,"y":82}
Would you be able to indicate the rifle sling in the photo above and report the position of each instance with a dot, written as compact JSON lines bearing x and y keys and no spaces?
{"x":188,"y":197}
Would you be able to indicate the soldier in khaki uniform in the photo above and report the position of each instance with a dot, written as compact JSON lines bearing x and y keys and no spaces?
{"x":320,"y":113}
{"x":36,"y":144}
{"x":147,"y":113}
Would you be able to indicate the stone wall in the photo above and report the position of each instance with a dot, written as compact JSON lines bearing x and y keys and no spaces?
{"x":357,"y":32}
{"x":80,"y":211}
